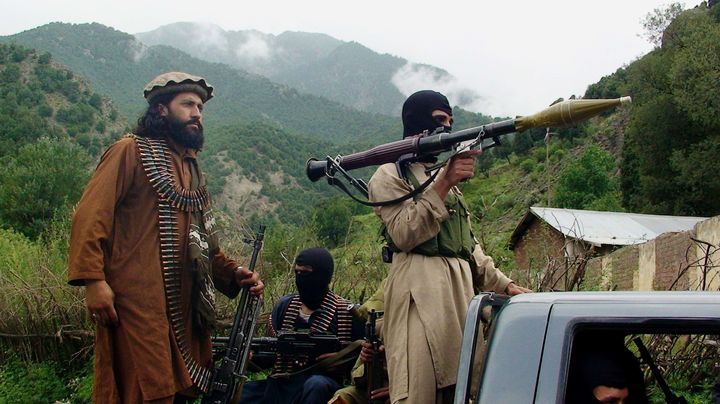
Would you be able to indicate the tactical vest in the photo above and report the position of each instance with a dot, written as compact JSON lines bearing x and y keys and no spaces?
{"x":333,"y":306}
{"x":455,"y":238}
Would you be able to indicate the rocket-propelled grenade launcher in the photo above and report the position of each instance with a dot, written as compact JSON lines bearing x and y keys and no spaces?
{"x":410,"y":149}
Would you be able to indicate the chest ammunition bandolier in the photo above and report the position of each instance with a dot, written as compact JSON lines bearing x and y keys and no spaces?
{"x":172,"y":199}
{"x":455,"y":238}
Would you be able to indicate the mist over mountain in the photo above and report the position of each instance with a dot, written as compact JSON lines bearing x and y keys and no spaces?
{"x":260,"y":133}
{"x":118,"y":65}
{"x":345,"y":72}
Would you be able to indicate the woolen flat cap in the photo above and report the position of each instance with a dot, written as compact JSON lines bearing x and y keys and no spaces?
{"x":176,"y":82}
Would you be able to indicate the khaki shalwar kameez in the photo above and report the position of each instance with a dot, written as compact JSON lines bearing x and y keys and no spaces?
{"x":426,"y":297}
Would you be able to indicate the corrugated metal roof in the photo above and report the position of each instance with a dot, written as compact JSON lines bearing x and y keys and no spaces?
{"x":613,"y":228}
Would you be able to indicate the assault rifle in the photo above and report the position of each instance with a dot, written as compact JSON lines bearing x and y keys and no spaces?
{"x":298,"y":344}
{"x":295,"y":344}
{"x":374,"y":370}
{"x":414,"y":148}
{"x":229,"y":378}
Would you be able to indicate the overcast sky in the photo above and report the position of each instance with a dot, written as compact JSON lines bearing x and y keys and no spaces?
{"x":518,"y":55}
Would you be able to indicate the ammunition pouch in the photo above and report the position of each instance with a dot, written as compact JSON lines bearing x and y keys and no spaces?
{"x":387,"y":254}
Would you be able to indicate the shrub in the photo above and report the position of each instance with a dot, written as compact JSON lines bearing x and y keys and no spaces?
{"x":527,"y":165}
{"x":40,"y":179}
{"x":22,"y":382}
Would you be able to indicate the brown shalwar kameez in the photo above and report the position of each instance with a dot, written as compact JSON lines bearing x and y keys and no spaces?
{"x":426,"y":298}
{"x":115,"y":237}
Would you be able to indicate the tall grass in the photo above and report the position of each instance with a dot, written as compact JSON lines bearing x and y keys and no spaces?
{"x":41,"y":316}
{"x":358,"y":267}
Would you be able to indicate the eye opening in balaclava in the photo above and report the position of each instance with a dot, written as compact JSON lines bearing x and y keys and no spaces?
{"x":417,"y":112}
{"x":313,"y":286}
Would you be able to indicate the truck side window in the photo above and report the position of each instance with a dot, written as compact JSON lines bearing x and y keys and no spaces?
{"x":603,"y":370}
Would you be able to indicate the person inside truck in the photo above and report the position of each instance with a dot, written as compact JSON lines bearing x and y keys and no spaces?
{"x":603,"y":370}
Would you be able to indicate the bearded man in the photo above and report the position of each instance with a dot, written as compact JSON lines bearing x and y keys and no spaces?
{"x":314,"y":309}
{"x":144,"y":245}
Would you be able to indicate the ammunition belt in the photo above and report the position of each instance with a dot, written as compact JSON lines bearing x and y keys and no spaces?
{"x":155,"y":158}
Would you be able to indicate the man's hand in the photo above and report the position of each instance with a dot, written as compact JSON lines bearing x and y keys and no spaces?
{"x":459,"y":168}
{"x":367,"y":352}
{"x":100,"y":302}
{"x":383,"y":392}
{"x":243,"y":278}
{"x":513,"y":289}
{"x":325,"y":356}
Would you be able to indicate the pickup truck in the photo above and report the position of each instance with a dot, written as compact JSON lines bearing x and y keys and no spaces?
{"x":530,"y":342}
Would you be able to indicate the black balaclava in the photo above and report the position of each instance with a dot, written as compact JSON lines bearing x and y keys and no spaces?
{"x":417,"y":112}
{"x":604,"y":363}
{"x":313,"y":286}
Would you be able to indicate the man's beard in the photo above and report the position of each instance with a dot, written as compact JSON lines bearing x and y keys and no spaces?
{"x":185,"y":135}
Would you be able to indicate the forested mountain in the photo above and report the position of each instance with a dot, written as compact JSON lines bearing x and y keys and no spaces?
{"x":669,"y":155}
{"x":259,"y":133}
{"x":118,"y":65}
{"x":51,"y":124}
{"x":656,"y":156}
{"x":345,"y":72}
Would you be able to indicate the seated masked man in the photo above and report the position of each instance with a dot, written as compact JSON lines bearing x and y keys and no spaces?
{"x":316,"y":310}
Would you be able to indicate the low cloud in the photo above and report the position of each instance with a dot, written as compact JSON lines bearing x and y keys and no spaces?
{"x":413,"y":77}
{"x":137,"y":50}
{"x":206,"y":35}
{"x":255,"y":47}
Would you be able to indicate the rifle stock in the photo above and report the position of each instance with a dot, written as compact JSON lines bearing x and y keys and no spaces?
{"x":562,"y":114}
{"x":229,"y":378}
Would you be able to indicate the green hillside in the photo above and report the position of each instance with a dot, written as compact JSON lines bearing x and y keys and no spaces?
{"x":249,"y":50}
{"x":657,"y":155}
{"x":669,"y":156}
{"x":353,"y":75}
{"x":51,"y":126}
{"x":256,"y":171}
{"x":117,"y":65}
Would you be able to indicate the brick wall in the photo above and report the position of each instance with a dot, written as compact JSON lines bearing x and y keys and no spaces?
{"x":593,"y":279}
{"x":675,"y":258}
{"x":540,"y":245}
{"x":709,"y":233}
{"x":539,"y":249}
{"x":671,"y":253}
{"x":624,"y":267}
